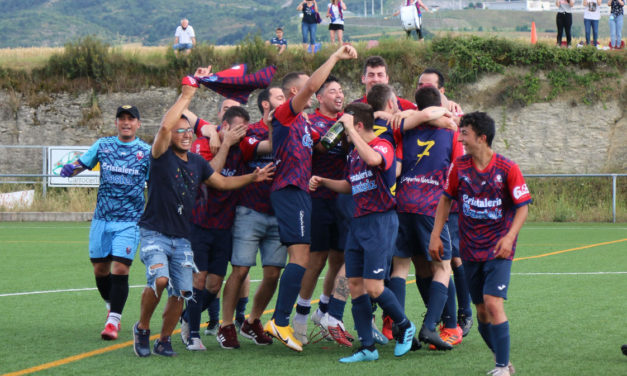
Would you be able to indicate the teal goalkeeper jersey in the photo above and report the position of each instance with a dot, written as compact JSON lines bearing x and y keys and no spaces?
{"x":123,"y":172}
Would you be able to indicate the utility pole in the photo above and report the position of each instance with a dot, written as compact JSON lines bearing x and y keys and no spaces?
{"x":373,"y":7}
{"x":365,"y":9}
{"x":382,"y":7}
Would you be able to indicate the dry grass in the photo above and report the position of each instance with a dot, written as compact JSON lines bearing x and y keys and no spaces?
{"x":26,"y":58}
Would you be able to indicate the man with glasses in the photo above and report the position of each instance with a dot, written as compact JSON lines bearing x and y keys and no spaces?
{"x":175,"y":177}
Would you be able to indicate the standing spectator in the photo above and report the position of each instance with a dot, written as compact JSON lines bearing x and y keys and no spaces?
{"x":309,"y":25}
{"x":591,"y":17}
{"x":564,"y":19}
{"x":336,"y":15}
{"x":184,"y":37}
{"x":278,"y":41}
{"x":616,"y":22}
{"x":419,"y":4}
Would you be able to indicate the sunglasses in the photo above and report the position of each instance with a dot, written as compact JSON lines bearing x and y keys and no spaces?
{"x":184,"y":130}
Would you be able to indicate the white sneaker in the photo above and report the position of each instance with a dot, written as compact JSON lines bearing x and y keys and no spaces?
{"x":184,"y":331}
{"x":300,"y":331}
{"x":195,"y":344}
{"x":499,"y":371}
{"x":317,"y":316}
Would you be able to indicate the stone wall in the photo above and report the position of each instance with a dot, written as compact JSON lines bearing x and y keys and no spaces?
{"x":556,"y":137}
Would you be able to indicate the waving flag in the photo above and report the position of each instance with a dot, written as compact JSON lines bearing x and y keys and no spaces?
{"x":234,"y":83}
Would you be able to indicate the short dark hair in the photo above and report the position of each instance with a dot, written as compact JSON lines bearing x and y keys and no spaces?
{"x":427,"y":96}
{"x":375,"y":61}
{"x":235,"y":111}
{"x":326,"y":82}
{"x":438,"y":73}
{"x":362,"y":112}
{"x":265,"y":96}
{"x":289,"y":79}
{"x":379,"y":95}
{"x":279,"y":28}
{"x":481,"y":123}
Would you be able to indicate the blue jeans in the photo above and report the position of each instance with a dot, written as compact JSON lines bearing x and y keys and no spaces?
{"x":309,"y":29}
{"x":595,"y":30}
{"x":169,"y":257}
{"x":182,"y":46}
{"x":616,"y":30}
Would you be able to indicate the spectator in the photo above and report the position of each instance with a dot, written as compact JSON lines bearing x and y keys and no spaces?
{"x":184,"y":37}
{"x":419,"y":4}
{"x":591,"y":17}
{"x":336,"y":15}
{"x":564,"y":19}
{"x":309,"y":24}
{"x":616,"y":22}
{"x":278,"y":41}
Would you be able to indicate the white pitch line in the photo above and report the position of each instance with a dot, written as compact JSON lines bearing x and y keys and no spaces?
{"x":572,"y":273}
{"x":573,"y":228}
{"x":80,"y":289}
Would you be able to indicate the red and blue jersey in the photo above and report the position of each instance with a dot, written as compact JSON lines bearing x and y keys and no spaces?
{"x":213,"y":208}
{"x":372,"y":186}
{"x":427,"y":153}
{"x":255,"y":196}
{"x":488,"y":200}
{"x":403,"y":104}
{"x":331,"y":164}
{"x":292,"y":145}
{"x":383,"y":130}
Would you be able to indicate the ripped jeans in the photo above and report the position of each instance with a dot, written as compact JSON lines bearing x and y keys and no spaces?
{"x":177,"y":260}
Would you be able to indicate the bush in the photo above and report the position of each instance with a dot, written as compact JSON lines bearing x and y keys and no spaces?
{"x":88,"y":57}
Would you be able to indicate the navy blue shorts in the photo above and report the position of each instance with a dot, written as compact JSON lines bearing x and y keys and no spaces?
{"x":370,"y":245}
{"x":453,"y":231}
{"x":328,"y":227}
{"x":212,"y":249}
{"x":346,"y":208}
{"x":414,"y":234}
{"x":487,"y":278}
{"x":292,"y":209}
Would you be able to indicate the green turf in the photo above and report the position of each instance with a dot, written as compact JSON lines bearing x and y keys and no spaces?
{"x":561,"y":324}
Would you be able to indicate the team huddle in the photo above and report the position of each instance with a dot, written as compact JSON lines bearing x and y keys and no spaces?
{"x":395,"y":183}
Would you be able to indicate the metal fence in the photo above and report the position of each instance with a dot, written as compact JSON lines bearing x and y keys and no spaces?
{"x":43,"y":176}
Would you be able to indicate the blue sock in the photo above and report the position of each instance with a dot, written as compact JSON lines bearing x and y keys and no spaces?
{"x":387,"y":300}
{"x":193,"y":312}
{"x":397,"y":285}
{"x":424,"y":284}
{"x":324,"y":307}
{"x":449,"y":315}
{"x":289,"y":287}
{"x":463,"y":294}
{"x":213,"y":306}
{"x":362,"y":315}
{"x":438,"y":293}
{"x":486,"y":333}
{"x":240,"y":311}
{"x":500,"y":340}
{"x":336,"y":308}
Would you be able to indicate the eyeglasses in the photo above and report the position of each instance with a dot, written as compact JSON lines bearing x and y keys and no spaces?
{"x":184,"y":130}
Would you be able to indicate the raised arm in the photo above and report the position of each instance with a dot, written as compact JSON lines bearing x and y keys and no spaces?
{"x":162,"y":140}
{"x":366,"y":153}
{"x":299,"y":102}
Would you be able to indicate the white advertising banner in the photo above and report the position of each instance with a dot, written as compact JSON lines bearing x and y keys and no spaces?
{"x":61,"y":155}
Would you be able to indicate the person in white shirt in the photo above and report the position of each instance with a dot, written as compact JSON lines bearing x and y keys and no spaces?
{"x":184,"y":37}
{"x":591,"y":17}
{"x":336,"y":15}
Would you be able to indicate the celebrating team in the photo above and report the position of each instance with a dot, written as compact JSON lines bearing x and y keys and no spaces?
{"x":369,"y":205}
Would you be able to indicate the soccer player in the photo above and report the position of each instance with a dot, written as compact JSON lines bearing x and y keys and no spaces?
{"x":114,"y":236}
{"x":427,"y":152}
{"x":292,"y":144}
{"x":175,"y":175}
{"x":211,"y":300}
{"x":255,"y":227}
{"x":376,"y":72}
{"x":328,"y":232}
{"x":371,"y":175}
{"x":494,"y":203}
{"x":434,"y":78}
